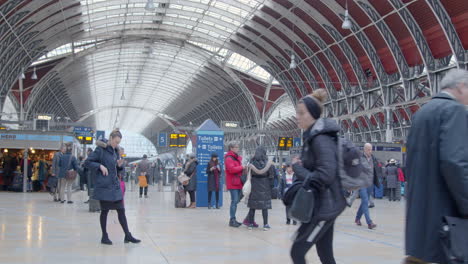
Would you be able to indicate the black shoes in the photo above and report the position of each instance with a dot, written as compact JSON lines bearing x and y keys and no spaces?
{"x":130,"y":239}
{"x":69,"y":202}
{"x":371,"y":205}
{"x":62,"y":201}
{"x":234,"y":223}
{"x":105,"y":240}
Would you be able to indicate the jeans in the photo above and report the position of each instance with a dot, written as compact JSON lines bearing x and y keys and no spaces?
{"x":235,"y":194}
{"x":370,"y":191}
{"x":364,"y":208}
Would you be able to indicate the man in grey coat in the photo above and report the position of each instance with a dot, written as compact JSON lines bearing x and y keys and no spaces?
{"x":143,"y":168}
{"x":56,"y":170}
{"x":437,"y":168}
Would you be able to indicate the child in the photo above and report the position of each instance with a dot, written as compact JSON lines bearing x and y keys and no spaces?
{"x":286,"y":181}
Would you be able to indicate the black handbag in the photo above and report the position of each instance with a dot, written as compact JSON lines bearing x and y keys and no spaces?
{"x":302,"y":207}
{"x":454,"y":236}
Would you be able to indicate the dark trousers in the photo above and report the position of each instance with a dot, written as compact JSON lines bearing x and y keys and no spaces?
{"x":320,"y":234}
{"x":210,"y":195}
{"x":145,"y":190}
{"x":251,"y":216}
{"x":392,"y":194}
{"x":192,"y":196}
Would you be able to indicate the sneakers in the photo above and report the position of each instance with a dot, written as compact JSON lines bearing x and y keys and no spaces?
{"x":250,"y":227}
{"x":266,"y":227}
{"x":234,"y":223}
{"x":247,"y":223}
{"x":371,"y":205}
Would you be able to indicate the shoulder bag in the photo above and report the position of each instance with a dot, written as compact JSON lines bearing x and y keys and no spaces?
{"x":454,"y":236}
{"x":71,"y":174}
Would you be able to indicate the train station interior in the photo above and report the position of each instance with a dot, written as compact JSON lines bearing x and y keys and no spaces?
{"x":180,"y":81}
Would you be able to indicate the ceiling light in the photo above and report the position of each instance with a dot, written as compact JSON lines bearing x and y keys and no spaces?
{"x":150,"y":5}
{"x":34,"y":75}
{"x":293,"y":64}
{"x":346,"y":22}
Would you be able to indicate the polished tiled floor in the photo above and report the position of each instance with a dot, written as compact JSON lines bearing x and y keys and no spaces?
{"x":33,"y":229}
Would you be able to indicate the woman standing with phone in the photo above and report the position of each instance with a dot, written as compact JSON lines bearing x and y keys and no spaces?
{"x":214,"y":174}
{"x":105,"y":163}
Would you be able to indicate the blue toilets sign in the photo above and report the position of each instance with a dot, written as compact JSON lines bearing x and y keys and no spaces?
{"x":208,"y":141}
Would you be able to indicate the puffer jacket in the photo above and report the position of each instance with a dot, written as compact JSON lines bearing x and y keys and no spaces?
{"x":106,"y":188}
{"x":233,"y":168}
{"x":262,"y":181}
{"x":320,"y":169}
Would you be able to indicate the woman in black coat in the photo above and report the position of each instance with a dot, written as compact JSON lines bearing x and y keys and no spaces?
{"x":213,"y":170}
{"x":191,"y":171}
{"x":318,"y":169}
{"x":104,"y":163}
{"x":262,"y":176}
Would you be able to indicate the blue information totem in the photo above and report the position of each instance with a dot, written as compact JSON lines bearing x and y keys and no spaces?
{"x":210,"y":138}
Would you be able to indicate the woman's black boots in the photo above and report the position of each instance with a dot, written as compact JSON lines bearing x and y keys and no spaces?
{"x":130,"y":239}
{"x":105,"y":239}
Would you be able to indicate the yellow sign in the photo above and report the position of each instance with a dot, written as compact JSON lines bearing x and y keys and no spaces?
{"x":44,"y":117}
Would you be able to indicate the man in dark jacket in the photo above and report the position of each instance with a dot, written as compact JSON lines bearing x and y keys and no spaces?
{"x":437,"y":168}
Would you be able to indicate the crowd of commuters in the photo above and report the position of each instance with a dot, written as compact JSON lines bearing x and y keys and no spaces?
{"x":436,"y":176}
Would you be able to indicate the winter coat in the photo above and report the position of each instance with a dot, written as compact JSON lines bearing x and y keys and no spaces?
{"x":262,"y":183}
{"x":214,"y":183}
{"x":233,"y":165}
{"x":391,"y":176}
{"x":320,"y":165}
{"x":437,"y":174}
{"x":55,"y":163}
{"x":106,"y":188}
{"x":67,"y":162}
{"x":191,"y":171}
{"x":144,"y":166}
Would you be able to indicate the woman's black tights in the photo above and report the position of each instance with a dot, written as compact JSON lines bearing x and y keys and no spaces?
{"x":122,"y":221}
{"x":251,"y":216}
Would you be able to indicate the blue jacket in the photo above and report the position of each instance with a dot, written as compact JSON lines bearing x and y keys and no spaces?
{"x":106,"y":188}
{"x":65,"y":164}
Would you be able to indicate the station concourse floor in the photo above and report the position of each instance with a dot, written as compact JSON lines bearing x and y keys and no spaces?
{"x":33,"y":229}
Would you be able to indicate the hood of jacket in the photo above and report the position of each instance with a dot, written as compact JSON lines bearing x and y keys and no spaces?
{"x":232,"y":154}
{"x":322,"y":126}
{"x":104,"y":143}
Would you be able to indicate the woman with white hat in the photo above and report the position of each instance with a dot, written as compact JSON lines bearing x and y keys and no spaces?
{"x":391,"y":176}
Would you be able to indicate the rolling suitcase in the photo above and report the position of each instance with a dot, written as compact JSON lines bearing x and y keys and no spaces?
{"x":180,"y":197}
{"x":17,"y":184}
{"x":275,"y":193}
{"x":378,"y":192}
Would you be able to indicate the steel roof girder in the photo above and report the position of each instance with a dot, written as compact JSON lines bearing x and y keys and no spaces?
{"x":449,"y":30}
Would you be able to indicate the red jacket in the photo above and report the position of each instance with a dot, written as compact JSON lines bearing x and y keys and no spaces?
{"x":401,"y":176}
{"x":233,"y":166}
